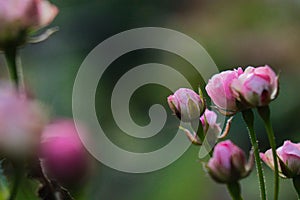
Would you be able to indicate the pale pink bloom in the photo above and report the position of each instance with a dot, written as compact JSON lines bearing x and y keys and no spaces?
{"x":21,"y":123}
{"x":19,"y":17}
{"x":289,"y":155}
{"x":218,"y":88}
{"x":63,"y":155}
{"x":256,"y":86}
{"x":228,"y":163}
{"x":186,"y":104}
{"x":209,"y":121}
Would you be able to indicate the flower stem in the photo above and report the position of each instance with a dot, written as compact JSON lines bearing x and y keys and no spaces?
{"x":264,"y":113}
{"x":296,"y":182}
{"x":234,"y":190}
{"x":16,"y":77}
{"x":249,"y":120}
{"x":10,"y":55}
{"x":17,"y":181}
{"x":14,"y":67}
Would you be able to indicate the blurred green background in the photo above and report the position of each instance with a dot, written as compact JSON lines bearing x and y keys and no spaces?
{"x":235,"y":33}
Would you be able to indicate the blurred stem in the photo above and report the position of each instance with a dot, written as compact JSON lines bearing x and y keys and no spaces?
{"x":10,"y":55}
{"x":249,"y":120}
{"x":296,"y":182}
{"x":17,"y":180}
{"x":14,"y":67}
{"x":235,"y":190}
{"x":264,"y":113}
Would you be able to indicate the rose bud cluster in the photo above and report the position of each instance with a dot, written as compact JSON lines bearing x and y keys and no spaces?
{"x":63,"y":155}
{"x":186,"y":104}
{"x":19,"y":17}
{"x":21,"y":123}
{"x":228,"y":163}
{"x":24,"y":132}
{"x":235,"y":90}
{"x":289,"y":159}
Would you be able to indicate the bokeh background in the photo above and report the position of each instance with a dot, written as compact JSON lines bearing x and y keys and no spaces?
{"x":235,"y":33}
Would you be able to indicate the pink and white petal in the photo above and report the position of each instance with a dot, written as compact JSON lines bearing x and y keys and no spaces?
{"x":47,"y":13}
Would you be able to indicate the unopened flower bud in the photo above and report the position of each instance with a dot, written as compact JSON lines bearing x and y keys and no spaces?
{"x":19,"y":17}
{"x":256,"y":86}
{"x":218,"y":89}
{"x":289,"y":159}
{"x":63,"y":155}
{"x":186,"y":104}
{"x":21,"y":123}
{"x":228,"y":163}
{"x":209,"y":121}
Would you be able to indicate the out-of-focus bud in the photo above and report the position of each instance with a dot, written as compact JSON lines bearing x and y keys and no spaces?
{"x":186,"y":104}
{"x":63,"y":155}
{"x":21,"y":123}
{"x":19,"y":17}
{"x":228,"y":163}
{"x":256,"y":86}
{"x":289,"y":159}
{"x":218,"y":89}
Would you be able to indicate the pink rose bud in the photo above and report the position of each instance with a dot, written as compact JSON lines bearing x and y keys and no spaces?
{"x":228,"y":163}
{"x":256,"y":86}
{"x":209,"y":125}
{"x":186,"y":104}
{"x":21,"y":123}
{"x":209,"y":121}
{"x":289,"y":155}
{"x":19,"y":17}
{"x":218,"y":88}
{"x":63,"y":155}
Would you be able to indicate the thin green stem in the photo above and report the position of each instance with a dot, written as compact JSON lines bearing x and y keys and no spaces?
{"x":204,"y":139}
{"x":264,"y":112}
{"x":14,"y":67}
{"x":234,"y":191}
{"x":10,"y":55}
{"x":249,"y":120}
{"x":17,"y":181}
{"x":20,"y":73}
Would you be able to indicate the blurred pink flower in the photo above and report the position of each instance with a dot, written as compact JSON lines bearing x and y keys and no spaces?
{"x":218,"y":88}
{"x":256,"y":86}
{"x":289,"y":155}
{"x":209,"y":121}
{"x":21,"y":123}
{"x":19,"y":17}
{"x":228,"y":163}
{"x":63,"y":155}
{"x":186,"y":104}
